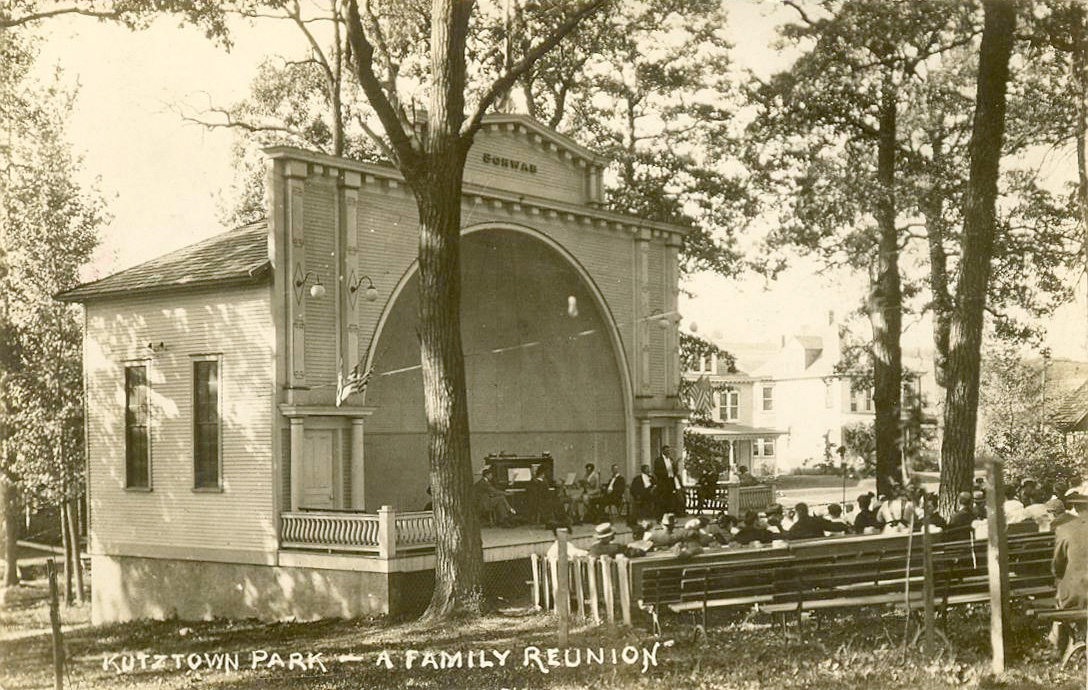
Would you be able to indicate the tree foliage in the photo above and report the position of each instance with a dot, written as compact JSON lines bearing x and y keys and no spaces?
{"x":49,"y":227}
{"x":1013,"y":418}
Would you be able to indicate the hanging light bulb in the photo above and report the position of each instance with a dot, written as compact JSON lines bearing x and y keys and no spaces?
{"x":572,"y":306}
{"x":693,"y":327}
{"x":716,"y":335}
{"x":663,"y":322}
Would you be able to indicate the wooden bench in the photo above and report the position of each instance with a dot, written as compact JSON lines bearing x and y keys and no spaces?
{"x":1045,"y":608}
{"x":840,"y":573}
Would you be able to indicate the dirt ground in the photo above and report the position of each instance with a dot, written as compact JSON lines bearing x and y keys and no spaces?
{"x":517,"y":649}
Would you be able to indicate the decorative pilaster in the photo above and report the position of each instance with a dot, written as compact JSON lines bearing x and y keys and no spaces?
{"x":296,"y":172}
{"x":642,"y":332}
{"x":358,"y":467}
{"x":644,"y":443}
{"x":349,"y":232}
{"x":298,"y":453}
{"x":672,"y":302}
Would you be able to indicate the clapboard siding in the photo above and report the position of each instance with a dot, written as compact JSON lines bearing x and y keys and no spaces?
{"x":320,"y":221}
{"x":234,"y":323}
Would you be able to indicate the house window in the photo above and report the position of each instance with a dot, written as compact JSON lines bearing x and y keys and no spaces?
{"x":768,"y":398}
{"x":708,"y":364}
{"x":137,"y":440}
{"x":763,"y":448}
{"x":729,"y":404}
{"x":861,"y":401}
{"x":206,"y":424}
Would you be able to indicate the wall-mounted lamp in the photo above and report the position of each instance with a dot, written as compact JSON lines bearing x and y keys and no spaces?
{"x":371,"y":292}
{"x":317,"y":290}
{"x":156,"y":347}
{"x":663,"y":320}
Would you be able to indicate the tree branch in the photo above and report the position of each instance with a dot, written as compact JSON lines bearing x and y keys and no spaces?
{"x":232,"y":122}
{"x":9,"y":22}
{"x":363,"y":53}
{"x":503,"y":83}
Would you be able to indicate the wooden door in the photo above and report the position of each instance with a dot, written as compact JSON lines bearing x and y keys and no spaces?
{"x":317,"y":469}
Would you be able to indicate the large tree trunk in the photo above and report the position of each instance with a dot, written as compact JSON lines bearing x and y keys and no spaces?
{"x":9,"y":514}
{"x":1079,"y":36}
{"x":988,"y":128}
{"x":437,"y":187}
{"x":885,"y":308}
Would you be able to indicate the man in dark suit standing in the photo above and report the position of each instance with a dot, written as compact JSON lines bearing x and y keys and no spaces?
{"x":665,"y":481}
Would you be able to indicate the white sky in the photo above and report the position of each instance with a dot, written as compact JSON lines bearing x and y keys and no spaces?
{"x":162,"y":177}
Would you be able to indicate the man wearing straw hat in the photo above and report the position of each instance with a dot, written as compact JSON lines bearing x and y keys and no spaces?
{"x":603,"y":545}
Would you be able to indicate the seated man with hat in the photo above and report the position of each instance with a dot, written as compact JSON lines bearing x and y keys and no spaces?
{"x":959,"y":525}
{"x":664,"y":535}
{"x":603,"y":544}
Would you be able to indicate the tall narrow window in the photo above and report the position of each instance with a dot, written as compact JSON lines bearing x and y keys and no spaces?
{"x":206,"y":424}
{"x":768,"y":398}
{"x":137,"y":444}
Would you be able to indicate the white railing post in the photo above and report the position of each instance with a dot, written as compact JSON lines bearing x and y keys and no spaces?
{"x":733,"y":502}
{"x":387,"y":532}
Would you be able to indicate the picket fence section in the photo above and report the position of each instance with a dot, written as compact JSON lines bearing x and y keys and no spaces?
{"x":599,"y":587}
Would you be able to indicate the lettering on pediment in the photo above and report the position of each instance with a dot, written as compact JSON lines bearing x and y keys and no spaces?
{"x":508,"y":163}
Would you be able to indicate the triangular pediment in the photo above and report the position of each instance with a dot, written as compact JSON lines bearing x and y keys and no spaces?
{"x":517,"y":154}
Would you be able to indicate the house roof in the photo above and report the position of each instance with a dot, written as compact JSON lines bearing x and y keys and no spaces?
{"x":1072,"y":410}
{"x":237,"y":256}
{"x":735,"y":432}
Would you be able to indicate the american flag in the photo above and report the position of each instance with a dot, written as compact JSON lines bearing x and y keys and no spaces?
{"x":701,"y":396}
{"x":354,"y":383}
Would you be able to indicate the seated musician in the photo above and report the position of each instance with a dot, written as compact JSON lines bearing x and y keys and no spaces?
{"x":585,"y":504}
{"x":491,"y":501}
{"x":544,"y":501}
{"x":612,"y":496}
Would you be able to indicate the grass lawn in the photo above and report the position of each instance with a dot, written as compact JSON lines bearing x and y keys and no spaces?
{"x":861,"y":649}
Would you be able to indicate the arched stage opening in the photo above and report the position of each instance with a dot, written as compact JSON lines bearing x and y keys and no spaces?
{"x":541,"y":375}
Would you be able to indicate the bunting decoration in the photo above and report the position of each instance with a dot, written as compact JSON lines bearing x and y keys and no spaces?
{"x":701,"y":397}
{"x":354,"y":383}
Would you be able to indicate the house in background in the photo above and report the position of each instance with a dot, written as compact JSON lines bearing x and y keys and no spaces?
{"x":736,"y":398}
{"x":224,"y":477}
{"x":793,"y":403}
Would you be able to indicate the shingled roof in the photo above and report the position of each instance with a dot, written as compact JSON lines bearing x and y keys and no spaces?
{"x":1071,"y":411}
{"x":238,"y":256}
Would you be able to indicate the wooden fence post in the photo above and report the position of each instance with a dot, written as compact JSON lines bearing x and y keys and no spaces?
{"x":535,"y":561}
{"x":579,"y":587}
{"x":623,"y":572}
{"x":562,"y":593}
{"x":387,"y":532}
{"x":609,"y":594}
{"x":593,"y":601}
{"x":54,"y":620}
{"x":997,"y":565}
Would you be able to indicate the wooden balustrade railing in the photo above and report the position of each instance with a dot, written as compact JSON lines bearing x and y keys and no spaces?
{"x":382,"y":533}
